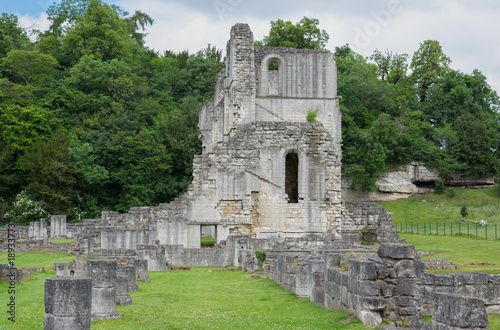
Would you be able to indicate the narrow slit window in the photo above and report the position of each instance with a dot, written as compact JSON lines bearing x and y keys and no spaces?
{"x":292,"y":177}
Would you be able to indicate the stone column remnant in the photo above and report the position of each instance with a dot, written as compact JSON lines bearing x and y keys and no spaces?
{"x":68,"y":303}
{"x":103,"y":275}
{"x":58,"y":226}
{"x":131,"y":277}
{"x":141,"y":269}
{"x":122,"y":296}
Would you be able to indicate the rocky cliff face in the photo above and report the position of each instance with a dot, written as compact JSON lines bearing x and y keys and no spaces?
{"x":403,"y":181}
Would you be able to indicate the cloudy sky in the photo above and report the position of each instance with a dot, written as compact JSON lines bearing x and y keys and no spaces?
{"x":468,"y":31}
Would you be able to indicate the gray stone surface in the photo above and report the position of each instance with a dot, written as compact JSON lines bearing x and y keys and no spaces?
{"x":10,"y":274}
{"x":68,"y":303}
{"x":129,"y":271}
{"x":58,"y":226}
{"x":103,"y":274}
{"x":141,"y":271}
{"x":459,"y":311}
{"x":122,"y":296}
{"x":396,"y":251}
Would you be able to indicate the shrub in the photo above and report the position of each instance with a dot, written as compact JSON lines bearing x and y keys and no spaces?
{"x":463,"y":211}
{"x":450,"y":192}
{"x":261,"y":257}
{"x":439,"y":187}
{"x":24,"y":210}
{"x":312,"y":114}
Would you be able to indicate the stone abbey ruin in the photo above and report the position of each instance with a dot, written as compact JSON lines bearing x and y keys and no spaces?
{"x":270,"y":180}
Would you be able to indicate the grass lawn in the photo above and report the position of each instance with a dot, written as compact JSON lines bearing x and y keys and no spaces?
{"x":432,"y":208}
{"x":462,"y":251}
{"x":62,"y":240}
{"x":197,"y":299}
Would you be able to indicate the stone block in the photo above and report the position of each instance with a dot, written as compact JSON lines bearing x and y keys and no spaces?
{"x":443,"y":280}
{"x":370,"y":319}
{"x":387,"y":291}
{"x":396,"y":251}
{"x":494,"y":279}
{"x":459,"y":311}
{"x":131,"y":276}
{"x":382,"y":271}
{"x":141,"y":270}
{"x":406,"y":268}
{"x":405,"y":301}
{"x":407,"y":287}
{"x":318,"y":280}
{"x":362,"y":269}
{"x":408,"y":311}
{"x":68,"y":303}
{"x":103,"y":273}
{"x":372,"y":304}
{"x":122,"y":296}
{"x":475,"y":278}
{"x":367,"y":288}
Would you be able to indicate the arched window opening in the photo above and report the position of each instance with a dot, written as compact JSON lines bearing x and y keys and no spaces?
{"x":273,"y":78}
{"x":292,"y":177}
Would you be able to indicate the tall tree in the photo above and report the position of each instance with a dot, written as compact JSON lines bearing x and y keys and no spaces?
{"x":391,"y":67}
{"x":303,"y":35}
{"x":428,"y":63}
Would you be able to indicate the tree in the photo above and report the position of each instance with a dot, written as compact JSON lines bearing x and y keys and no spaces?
{"x":30,"y":68}
{"x":49,"y":175}
{"x":12,"y":36}
{"x":428,"y":63}
{"x":391,"y":67}
{"x":302,"y":35}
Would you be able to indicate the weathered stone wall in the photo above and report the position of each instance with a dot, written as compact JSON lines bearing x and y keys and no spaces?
{"x":38,"y":230}
{"x":371,"y":221}
{"x":373,"y":287}
{"x":452,"y":312}
{"x":476,"y":285}
{"x":58,"y":226}
{"x":68,"y":303}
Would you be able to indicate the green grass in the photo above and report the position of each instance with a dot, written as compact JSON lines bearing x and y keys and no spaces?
{"x":462,"y":251}
{"x":197,"y":299}
{"x":432,"y":208}
{"x":207,"y":241}
{"x":65,"y":240}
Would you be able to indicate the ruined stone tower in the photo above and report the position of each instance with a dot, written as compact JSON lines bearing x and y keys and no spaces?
{"x":266,"y":170}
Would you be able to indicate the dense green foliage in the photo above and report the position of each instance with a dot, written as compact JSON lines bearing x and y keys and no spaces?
{"x":92,"y":120}
{"x":446,"y":119}
{"x":302,"y":35}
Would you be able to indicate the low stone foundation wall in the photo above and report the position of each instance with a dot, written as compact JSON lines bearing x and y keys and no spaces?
{"x":390,"y":285}
{"x":453,"y":312}
{"x":475,"y":285}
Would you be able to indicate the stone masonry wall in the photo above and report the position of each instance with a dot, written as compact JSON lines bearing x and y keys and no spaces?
{"x":373,"y":287}
{"x":476,"y":285}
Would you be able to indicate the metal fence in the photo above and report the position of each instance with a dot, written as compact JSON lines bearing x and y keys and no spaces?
{"x":448,"y":229}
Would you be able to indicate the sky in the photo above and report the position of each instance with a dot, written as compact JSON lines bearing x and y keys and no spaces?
{"x":468,"y":31}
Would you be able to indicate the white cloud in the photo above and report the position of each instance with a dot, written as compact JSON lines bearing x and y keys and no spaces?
{"x":468,"y":32}
{"x":29,"y":22}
